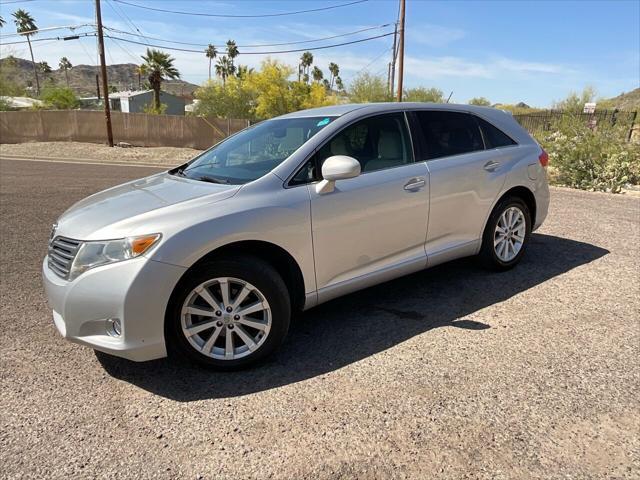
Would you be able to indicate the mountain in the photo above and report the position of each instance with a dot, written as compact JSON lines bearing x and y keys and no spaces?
{"x":629,"y":101}
{"x":82,"y":78}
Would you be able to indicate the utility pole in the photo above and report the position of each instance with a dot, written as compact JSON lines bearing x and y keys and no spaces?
{"x":394,"y":54}
{"x":103,"y":69}
{"x":401,"y":52}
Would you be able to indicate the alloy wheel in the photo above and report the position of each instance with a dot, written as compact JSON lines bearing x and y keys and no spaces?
{"x":226,"y":318}
{"x":509,"y":234}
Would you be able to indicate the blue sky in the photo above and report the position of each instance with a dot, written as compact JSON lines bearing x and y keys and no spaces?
{"x":507,"y":51}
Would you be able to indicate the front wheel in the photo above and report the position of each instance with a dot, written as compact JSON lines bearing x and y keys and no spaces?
{"x":506,"y":235}
{"x":228,"y":314}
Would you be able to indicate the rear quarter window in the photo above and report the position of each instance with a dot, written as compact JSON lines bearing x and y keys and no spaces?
{"x":493,"y":136}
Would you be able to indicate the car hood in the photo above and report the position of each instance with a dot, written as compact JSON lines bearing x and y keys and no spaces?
{"x":90,"y":218}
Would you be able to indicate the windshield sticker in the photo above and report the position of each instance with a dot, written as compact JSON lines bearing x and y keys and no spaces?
{"x":323,"y":122}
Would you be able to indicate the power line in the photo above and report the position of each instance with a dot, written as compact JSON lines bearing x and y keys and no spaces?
{"x":127,"y":20}
{"x":257,"y":45}
{"x":86,"y":34}
{"x":256,"y":53}
{"x":281,"y":14}
{"x":17,"y":1}
{"x":39,"y":30}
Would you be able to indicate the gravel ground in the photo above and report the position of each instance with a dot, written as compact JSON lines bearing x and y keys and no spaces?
{"x":95,"y":152}
{"x":449,"y":373}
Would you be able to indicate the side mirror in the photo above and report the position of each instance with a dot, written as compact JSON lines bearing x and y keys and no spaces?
{"x":338,"y":167}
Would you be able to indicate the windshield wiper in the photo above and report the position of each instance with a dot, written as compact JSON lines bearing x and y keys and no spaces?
{"x":206,"y":178}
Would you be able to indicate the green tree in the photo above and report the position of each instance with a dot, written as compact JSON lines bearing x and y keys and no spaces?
{"x":317,"y":74}
{"x":422,"y":94}
{"x":8,"y":73}
{"x":211,"y":53}
{"x":2,"y":22}
{"x":574,"y":102}
{"x":44,"y":68}
{"x":159,"y":67}
{"x":26,"y":25}
{"x":339,"y":84}
{"x":59,"y":98}
{"x":232,"y":53}
{"x":65,"y":65}
{"x":367,"y":88}
{"x":234,"y":100}
{"x":481,"y":101}
{"x":334,"y":70}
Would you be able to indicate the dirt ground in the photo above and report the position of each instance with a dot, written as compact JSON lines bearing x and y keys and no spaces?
{"x":169,"y":156}
{"x":450,"y":373}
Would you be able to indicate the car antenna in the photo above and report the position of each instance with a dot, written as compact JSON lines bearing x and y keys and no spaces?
{"x":449,"y":96}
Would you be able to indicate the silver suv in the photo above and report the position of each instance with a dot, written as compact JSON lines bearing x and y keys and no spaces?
{"x":210,"y":259}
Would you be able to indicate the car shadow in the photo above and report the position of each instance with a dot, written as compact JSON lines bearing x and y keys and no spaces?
{"x":364,"y":323}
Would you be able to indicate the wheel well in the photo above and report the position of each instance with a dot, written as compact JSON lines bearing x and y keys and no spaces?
{"x":527,"y":196}
{"x":276,"y":256}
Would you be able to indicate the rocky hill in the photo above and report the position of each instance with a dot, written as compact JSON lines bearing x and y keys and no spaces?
{"x":628,"y":101}
{"x":82,"y":78}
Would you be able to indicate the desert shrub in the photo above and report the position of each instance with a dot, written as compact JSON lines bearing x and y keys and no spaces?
{"x":151,"y":109}
{"x":59,"y":98}
{"x":592,"y":157}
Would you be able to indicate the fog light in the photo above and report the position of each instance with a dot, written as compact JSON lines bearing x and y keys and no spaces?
{"x":114,"y":327}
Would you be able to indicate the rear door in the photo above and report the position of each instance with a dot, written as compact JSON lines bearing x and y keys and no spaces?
{"x":465,"y":180}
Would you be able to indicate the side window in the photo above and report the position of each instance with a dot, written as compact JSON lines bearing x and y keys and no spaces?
{"x":449,"y":133}
{"x":494,"y":137}
{"x":376,"y":142}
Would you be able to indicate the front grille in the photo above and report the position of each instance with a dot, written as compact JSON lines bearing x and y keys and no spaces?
{"x":62,"y":251}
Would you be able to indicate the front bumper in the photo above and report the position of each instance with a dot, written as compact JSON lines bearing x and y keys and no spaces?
{"x":135,"y":291}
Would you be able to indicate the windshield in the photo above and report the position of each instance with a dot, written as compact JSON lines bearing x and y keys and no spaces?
{"x":253,"y":152}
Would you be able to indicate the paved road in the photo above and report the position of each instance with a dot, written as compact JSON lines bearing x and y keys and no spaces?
{"x":448,"y":373}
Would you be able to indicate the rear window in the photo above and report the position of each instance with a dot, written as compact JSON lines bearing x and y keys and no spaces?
{"x":449,"y":133}
{"x":494,"y":137}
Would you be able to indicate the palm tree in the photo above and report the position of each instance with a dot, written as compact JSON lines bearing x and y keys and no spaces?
{"x":141,"y":70}
{"x":65,"y":65}
{"x":210,"y":53}
{"x":306,"y":60}
{"x":339,"y":84}
{"x":317,"y":74}
{"x":159,"y":66}
{"x":243,"y":71}
{"x":225,"y":68}
{"x":334,"y":69}
{"x":26,"y":25}
{"x":2,"y":22}
{"x":232,"y":52}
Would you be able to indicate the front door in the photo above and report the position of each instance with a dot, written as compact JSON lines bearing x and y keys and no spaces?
{"x":372,"y":227}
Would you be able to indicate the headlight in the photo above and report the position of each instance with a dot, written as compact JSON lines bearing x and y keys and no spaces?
{"x":94,"y":254}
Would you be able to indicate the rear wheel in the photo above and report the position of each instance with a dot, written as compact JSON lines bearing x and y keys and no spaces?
{"x":228,"y":314}
{"x":506,"y":235}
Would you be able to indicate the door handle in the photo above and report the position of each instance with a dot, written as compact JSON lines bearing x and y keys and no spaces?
{"x":415,"y":183}
{"x":491,"y":165}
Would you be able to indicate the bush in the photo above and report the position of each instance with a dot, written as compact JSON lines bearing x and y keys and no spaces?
{"x":592,"y":158}
{"x":59,"y":98}
{"x":151,"y":109}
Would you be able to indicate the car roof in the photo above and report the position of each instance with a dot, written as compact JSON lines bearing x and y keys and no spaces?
{"x":339,"y":110}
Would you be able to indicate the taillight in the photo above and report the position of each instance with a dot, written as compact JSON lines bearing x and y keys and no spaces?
{"x":544,"y":158}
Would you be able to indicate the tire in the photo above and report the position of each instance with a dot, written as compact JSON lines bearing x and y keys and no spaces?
{"x":493,"y":255}
{"x":201,"y":292}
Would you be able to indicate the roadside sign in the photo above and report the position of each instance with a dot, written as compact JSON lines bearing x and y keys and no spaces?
{"x":589,"y":107}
